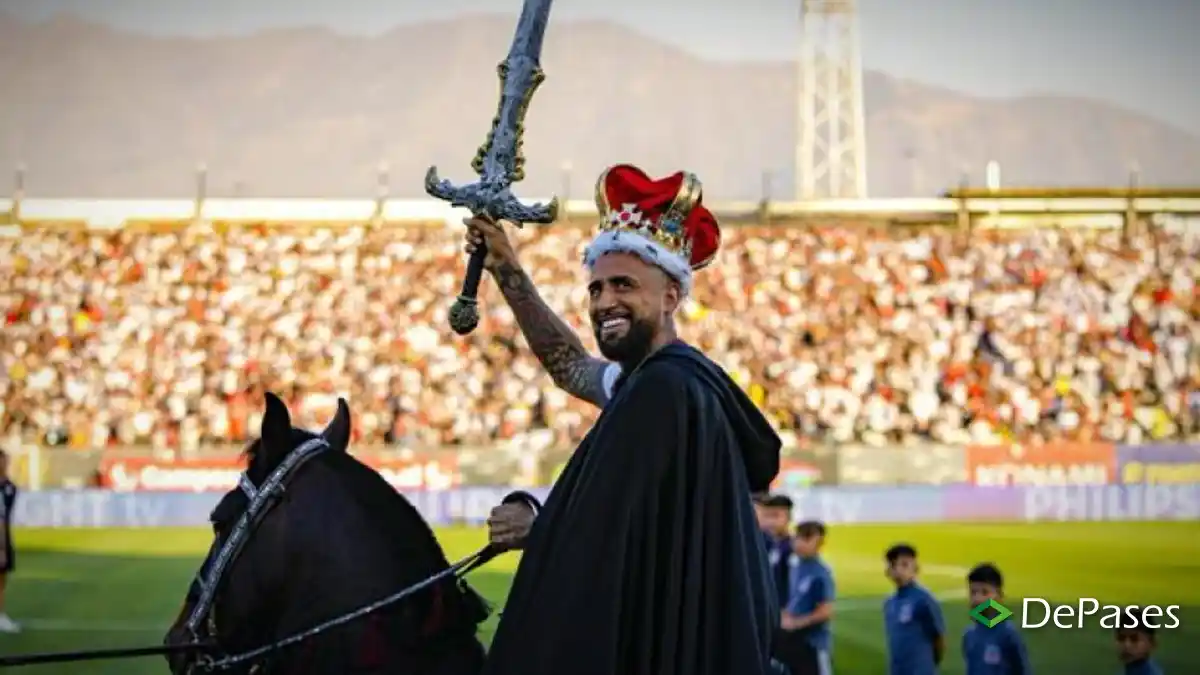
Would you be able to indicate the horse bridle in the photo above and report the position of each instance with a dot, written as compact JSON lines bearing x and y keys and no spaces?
{"x":261,"y":498}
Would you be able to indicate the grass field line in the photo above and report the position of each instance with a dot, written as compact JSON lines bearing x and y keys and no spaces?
{"x":111,"y":625}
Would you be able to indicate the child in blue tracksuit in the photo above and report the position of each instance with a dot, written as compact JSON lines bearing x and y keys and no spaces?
{"x":912,"y":618}
{"x":992,"y":651}
{"x":805,"y":644}
{"x":1135,"y":647}
{"x":775,"y":521}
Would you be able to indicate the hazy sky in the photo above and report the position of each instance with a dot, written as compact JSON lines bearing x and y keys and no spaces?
{"x":1140,"y":54}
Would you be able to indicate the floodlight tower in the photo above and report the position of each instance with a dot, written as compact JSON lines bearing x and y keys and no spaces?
{"x":831,"y":148}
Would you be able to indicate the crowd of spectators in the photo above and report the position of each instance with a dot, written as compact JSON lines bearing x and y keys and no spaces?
{"x":841,"y":334}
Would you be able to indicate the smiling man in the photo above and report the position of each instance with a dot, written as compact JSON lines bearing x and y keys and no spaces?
{"x":646,"y":558}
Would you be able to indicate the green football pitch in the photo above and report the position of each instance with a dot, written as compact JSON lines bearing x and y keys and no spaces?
{"x":80,"y":589}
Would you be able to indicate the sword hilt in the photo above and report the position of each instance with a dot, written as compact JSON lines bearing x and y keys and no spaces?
{"x":464,"y":313}
{"x":490,"y":198}
{"x":494,"y":200}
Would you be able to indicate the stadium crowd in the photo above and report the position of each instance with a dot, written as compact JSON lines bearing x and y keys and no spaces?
{"x":841,"y":334}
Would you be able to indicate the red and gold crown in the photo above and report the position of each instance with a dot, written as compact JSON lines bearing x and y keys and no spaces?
{"x":667,"y":214}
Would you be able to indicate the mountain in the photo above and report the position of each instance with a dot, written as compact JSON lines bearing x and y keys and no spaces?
{"x":95,"y":112}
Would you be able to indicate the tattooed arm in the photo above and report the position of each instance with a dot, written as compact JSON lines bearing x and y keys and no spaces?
{"x":553,"y":342}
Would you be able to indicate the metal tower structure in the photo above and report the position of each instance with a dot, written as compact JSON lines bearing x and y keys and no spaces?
{"x":831,"y":148}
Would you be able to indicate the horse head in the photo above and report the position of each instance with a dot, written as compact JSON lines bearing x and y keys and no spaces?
{"x":311,"y":534}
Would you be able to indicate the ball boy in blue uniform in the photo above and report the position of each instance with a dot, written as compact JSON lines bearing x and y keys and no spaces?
{"x":915,"y":629}
{"x":8,"y":559}
{"x":992,"y":651}
{"x":806,"y":641}
{"x":775,"y":521}
{"x":1135,"y":647}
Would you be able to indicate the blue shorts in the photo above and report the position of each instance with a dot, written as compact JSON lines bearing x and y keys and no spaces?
{"x":793,"y":650}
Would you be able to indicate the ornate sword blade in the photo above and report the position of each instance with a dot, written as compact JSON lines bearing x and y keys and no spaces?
{"x":500,"y":159}
{"x":531,"y":30}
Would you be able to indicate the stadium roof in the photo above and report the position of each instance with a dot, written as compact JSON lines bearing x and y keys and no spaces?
{"x":113,"y":213}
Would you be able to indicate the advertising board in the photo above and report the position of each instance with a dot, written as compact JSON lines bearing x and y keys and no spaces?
{"x":1044,"y":464}
{"x":806,"y":467}
{"x":865,"y":505}
{"x":925,"y":464}
{"x":1158,"y":464}
{"x":107,"y":508}
{"x":1110,"y":503}
{"x":220,"y":474}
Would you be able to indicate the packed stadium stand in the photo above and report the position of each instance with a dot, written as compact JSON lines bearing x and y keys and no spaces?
{"x":166,"y":336}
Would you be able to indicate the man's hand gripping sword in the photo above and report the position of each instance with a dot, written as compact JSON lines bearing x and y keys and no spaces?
{"x":500,"y":161}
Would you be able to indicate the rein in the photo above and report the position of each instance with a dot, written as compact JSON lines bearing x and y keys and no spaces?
{"x":98,"y":655}
{"x":458,"y":569}
{"x":207,"y":662}
{"x":261,"y":499}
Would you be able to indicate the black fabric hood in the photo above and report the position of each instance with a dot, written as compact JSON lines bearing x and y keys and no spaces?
{"x":758,"y":442}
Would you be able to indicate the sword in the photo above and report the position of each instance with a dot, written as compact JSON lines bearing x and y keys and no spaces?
{"x":499,"y":162}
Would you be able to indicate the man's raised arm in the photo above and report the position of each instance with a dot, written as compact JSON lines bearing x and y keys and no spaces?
{"x":552,"y":341}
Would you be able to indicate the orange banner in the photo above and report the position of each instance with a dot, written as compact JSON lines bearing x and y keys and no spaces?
{"x":221,"y":474}
{"x":1050,"y":464}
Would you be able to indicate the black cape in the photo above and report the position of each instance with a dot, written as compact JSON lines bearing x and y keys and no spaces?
{"x":647,"y":558}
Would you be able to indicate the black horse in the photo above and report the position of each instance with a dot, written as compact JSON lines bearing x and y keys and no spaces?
{"x":336,"y":537}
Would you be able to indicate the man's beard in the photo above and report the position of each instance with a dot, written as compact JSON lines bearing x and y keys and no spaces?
{"x":631,"y":348}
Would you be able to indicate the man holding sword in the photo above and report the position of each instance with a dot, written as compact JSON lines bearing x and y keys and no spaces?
{"x":646,"y":559}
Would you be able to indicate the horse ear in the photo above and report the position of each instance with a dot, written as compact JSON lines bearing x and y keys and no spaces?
{"x":337,"y":433}
{"x":276,"y":423}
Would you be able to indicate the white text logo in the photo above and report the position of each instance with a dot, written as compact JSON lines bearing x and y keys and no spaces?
{"x":1037,"y":613}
